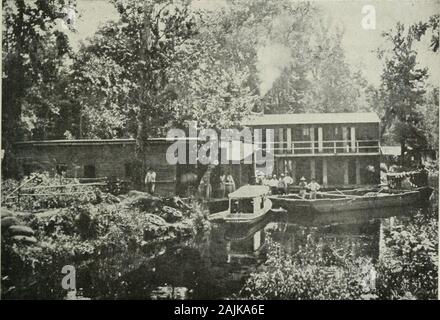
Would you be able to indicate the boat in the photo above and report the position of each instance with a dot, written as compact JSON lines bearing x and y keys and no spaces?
{"x":217,"y":205}
{"x":425,"y":193}
{"x":248,"y":204}
{"x":350,"y":200}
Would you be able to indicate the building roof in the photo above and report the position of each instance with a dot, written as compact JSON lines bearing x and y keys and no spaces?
{"x":249,"y":191}
{"x":87,"y":142}
{"x":311,"y":118}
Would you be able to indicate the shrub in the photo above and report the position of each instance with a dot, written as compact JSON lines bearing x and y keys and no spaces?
{"x":47,"y":194}
{"x":313,"y":272}
{"x":102,"y":241}
{"x":409,"y":267}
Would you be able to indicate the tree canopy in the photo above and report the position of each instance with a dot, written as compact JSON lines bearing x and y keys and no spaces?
{"x":408,"y":105}
{"x":163,"y":63}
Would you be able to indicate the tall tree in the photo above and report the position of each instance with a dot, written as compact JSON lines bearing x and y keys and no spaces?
{"x":186,"y":69}
{"x":33,"y":51}
{"x":403,"y":90}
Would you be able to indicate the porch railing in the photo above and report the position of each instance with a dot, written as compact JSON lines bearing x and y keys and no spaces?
{"x":322,"y":147}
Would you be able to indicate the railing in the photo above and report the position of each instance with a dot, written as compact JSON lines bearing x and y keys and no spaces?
{"x":322,"y":147}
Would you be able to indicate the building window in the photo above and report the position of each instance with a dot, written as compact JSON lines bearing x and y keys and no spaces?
{"x":306,"y":131}
{"x":336,"y":130}
{"x":89,"y":171}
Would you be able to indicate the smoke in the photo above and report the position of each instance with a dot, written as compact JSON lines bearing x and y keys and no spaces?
{"x":272,"y":58}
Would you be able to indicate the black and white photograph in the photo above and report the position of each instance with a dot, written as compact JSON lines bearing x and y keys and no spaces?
{"x":231,"y":150}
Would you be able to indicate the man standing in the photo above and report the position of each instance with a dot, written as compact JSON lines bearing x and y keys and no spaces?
{"x":282,"y":186}
{"x":314,"y":187}
{"x":222,"y":185}
{"x":150,"y":180}
{"x":302,"y":187}
{"x":273,"y":184}
{"x":229,"y":184}
{"x":288,"y":180}
{"x":205,"y":187}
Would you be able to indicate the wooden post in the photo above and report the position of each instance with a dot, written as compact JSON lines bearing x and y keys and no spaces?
{"x":312,"y":168}
{"x":293,"y":171}
{"x":353,"y":139}
{"x":358,"y":171}
{"x":312,"y":139}
{"x":320,"y":149}
{"x":345,"y":171}
{"x":324,"y":172}
{"x":281,"y":140}
{"x":345,"y":138}
{"x":280,"y":168}
{"x":289,"y":140}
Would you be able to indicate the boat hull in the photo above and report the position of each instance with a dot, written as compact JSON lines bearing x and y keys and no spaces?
{"x":349,"y":203}
{"x":242,"y":218}
{"x":218,"y":205}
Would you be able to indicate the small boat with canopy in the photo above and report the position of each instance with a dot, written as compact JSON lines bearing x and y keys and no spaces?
{"x":248,"y":204}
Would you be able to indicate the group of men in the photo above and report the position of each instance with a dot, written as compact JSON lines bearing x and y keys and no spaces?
{"x":281,"y":185}
{"x":227,"y":184}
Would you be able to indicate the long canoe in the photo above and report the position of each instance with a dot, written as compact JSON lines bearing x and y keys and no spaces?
{"x":336,"y":202}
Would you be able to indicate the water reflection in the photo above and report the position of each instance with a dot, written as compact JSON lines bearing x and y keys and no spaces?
{"x":216,"y":264}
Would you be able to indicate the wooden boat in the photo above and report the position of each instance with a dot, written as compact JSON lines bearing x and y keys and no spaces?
{"x":248,"y":204}
{"x":217,"y":205}
{"x":425,"y":193}
{"x":349,"y":200}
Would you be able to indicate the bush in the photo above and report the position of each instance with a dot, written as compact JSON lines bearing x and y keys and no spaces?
{"x":314,"y":272}
{"x":46,"y":195}
{"x":102,"y":241}
{"x":409,"y":267}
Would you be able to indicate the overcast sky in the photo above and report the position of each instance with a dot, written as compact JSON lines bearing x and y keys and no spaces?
{"x":359,"y":44}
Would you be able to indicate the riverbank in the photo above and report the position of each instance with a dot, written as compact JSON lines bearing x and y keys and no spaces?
{"x":104,"y":237}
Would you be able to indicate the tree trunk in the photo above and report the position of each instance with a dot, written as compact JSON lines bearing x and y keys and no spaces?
{"x":145,"y":84}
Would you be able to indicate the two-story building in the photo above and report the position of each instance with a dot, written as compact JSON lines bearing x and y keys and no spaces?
{"x":337,"y":149}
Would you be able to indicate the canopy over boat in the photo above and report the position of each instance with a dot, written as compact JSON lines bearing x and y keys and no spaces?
{"x":249,"y":192}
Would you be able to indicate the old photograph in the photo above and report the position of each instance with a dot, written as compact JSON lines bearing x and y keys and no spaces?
{"x":220,"y":150}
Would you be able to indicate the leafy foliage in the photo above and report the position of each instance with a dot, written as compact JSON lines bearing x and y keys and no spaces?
{"x":103,"y":242}
{"x":48,"y":194}
{"x":407,"y":104}
{"x":310,"y":273}
{"x":35,"y":50}
{"x":420,"y":29}
{"x":163,"y":63}
{"x":409,"y":268}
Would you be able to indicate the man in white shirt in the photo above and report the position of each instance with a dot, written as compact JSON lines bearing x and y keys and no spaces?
{"x":150,"y":180}
{"x":313,"y":186}
{"x":273,"y":184}
{"x":288,"y":180}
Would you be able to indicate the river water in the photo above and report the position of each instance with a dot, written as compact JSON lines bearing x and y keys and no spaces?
{"x":216,"y":264}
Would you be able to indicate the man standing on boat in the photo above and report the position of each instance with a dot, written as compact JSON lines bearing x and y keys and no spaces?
{"x":273,"y":184}
{"x":282,"y":186}
{"x":288,"y":180}
{"x":302,"y":187}
{"x":313,"y":186}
